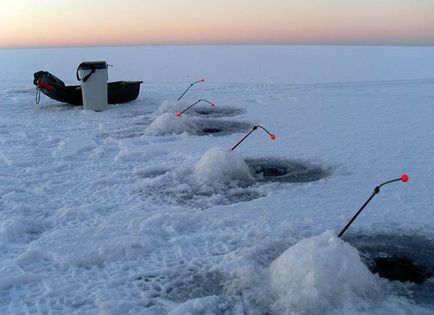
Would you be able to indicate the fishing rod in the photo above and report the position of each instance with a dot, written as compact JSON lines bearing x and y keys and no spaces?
{"x":272,"y":135}
{"x":201,"y":100}
{"x":191,"y":84}
{"x":404,"y":178}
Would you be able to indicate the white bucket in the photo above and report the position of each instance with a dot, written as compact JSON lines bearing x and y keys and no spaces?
{"x":93,"y":77}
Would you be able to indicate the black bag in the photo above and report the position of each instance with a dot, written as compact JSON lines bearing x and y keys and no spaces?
{"x":48,"y":78}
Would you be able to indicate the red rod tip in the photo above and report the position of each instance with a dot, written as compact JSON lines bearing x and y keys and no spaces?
{"x":202,"y":80}
{"x":404,"y":178}
{"x":213,"y":104}
{"x":273,"y":137}
{"x":178,"y":115}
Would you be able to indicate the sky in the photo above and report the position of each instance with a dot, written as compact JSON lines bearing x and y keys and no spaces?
{"x":64,"y":23}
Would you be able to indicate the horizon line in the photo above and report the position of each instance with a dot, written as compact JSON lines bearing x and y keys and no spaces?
{"x":220,"y":44}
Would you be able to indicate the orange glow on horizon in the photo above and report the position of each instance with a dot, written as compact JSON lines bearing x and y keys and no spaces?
{"x":217,"y":25}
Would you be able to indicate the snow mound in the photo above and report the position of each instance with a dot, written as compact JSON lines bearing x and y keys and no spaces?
{"x":220,"y":165}
{"x":318,"y":274}
{"x":169,"y":123}
{"x":171,"y":107}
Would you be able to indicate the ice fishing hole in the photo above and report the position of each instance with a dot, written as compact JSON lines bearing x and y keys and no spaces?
{"x":400,"y":257}
{"x":220,"y":127}
{"x":216,"y":112}
{"x":400,"y":269}
{"x":285,"y":171}
{"x":211,"y":130}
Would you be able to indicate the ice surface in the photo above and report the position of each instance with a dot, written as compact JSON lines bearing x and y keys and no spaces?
{"x":96,"y":216}
{"x":219,"y":165}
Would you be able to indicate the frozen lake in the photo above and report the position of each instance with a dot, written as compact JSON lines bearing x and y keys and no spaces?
{"x":136,"y":211}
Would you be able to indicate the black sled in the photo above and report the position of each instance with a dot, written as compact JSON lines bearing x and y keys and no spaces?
{"x":118,"y":92}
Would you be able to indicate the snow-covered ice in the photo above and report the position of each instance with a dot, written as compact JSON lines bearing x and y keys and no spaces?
{"x":137,"y":211}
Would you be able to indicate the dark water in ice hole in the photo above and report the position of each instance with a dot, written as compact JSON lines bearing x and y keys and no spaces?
{"x":216,"y":112}
{"x":402,"y":257}
{"x":220,"y":127}
{"x":264,"y":170}
{"x":285,"y":171}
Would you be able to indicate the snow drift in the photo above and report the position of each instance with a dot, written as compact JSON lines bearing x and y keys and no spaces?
{"x":171,"y":107}
{"x":219,"y":165}
{"x":320,"y":273}
{"x":169,"y":123}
